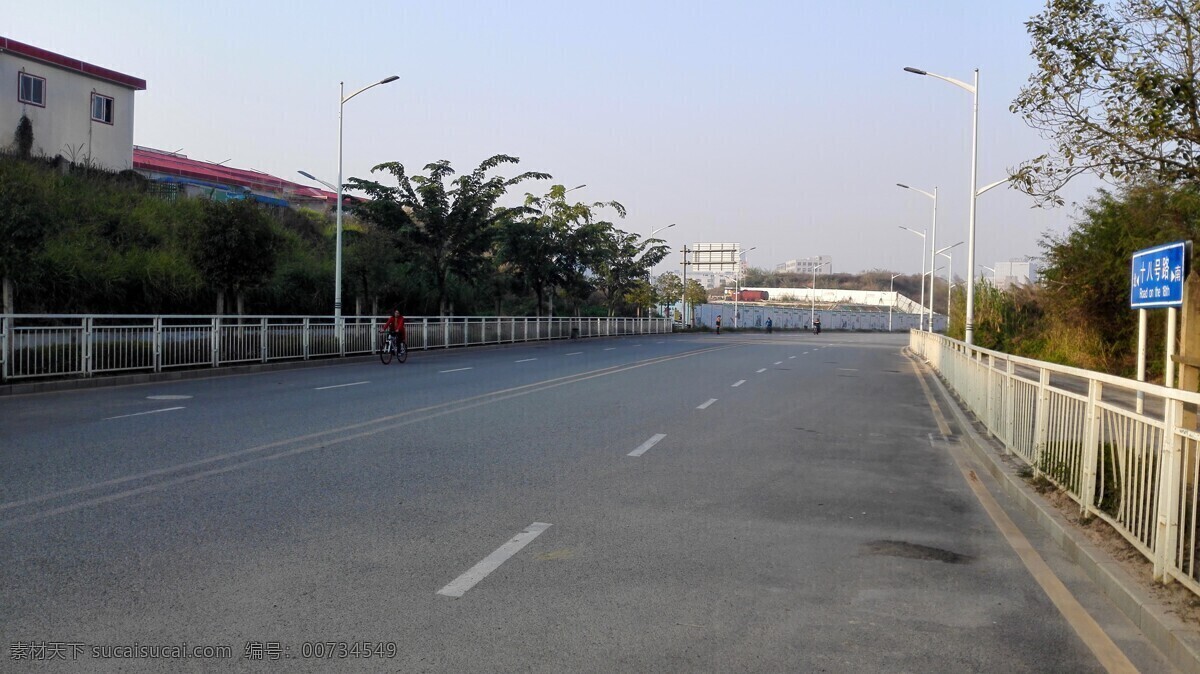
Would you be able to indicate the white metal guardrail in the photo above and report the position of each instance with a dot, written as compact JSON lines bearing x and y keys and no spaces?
{"x":71,"y":345}
{"x":1080,"y":430}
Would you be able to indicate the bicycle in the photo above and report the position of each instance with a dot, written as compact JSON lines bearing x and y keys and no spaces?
{"x":390,"y":346}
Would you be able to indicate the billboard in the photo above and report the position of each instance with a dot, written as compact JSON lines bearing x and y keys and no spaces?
{"x":715,"y":257}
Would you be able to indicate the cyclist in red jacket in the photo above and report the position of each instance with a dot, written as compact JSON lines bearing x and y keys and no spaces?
{"x":395,"y":326}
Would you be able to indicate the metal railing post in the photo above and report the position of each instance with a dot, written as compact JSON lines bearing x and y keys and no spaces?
{"x":991,"y":420}
{"x":87,"y":346}
{"x":446,"y":332}
{"x":5,"y":330}
{"x":216,"y":341}
{"x":1091,"y":446}
{"x":157,"y":343}
{"x":1010,"y":403}
{"x":1170,"y":465}
{"x":263,"y":338}
{"x":304,"y":337}
{"x":425,"y":333}
{"x":1042,"y":426}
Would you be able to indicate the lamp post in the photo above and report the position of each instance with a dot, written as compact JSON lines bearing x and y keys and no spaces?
{"x":337,"y":283}
{"x":993,"y":270}
{"x":892,"y":290}
{"x":949,"y":280}
{"x":932,"y":239}
{"x":737,"y":288}
{"x":921,"y":317}
{"x":649,"y":237}
{"x":973,"y":89}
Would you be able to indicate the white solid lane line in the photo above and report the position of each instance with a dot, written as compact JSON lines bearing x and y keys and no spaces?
{"x":760,"y":370}
{"x":357,"y":383}
{"x":738,"y":383}
{"x":524,"y":360}
{"x":138,"y":414}
{"x":457,"y":369}
{"x":648,"y":444}
{"x":459,"y":586}
{"x":705,"y":405}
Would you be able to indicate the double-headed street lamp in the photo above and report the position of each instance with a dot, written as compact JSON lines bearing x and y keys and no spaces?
{"x":974,"y":91}
{"x":949,"y":280}
{"x":737,"y":288}
{"x":921,"y":317}
{"x":337,"y":283}
{"x":932,"y":237}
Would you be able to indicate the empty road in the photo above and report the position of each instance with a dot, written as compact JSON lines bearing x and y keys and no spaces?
{"x":655,"y":503}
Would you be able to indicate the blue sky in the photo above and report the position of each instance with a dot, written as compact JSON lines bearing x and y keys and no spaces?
{"x":781,"y":125}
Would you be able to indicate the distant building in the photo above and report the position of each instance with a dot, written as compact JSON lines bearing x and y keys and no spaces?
{"x":823,"y":264}
{"x":1009,"y":274}
{"x":77,"y":110}
{"x":177,"y":175}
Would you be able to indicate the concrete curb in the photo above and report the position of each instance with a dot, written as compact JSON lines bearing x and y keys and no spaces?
{"x":1179,"y":642}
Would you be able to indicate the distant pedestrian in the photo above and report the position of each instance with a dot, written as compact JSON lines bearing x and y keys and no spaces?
{"x":769,"y":324}
{"x":718,"y":324}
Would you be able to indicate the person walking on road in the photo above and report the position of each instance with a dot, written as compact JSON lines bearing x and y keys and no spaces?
{"x":718,"y":324}
{"x":769,"y":324}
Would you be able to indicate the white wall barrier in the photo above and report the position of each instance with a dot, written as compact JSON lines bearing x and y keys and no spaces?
{"x":793,"y":318}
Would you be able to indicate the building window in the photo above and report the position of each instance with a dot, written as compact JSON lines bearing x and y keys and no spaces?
{"x":31,"y":89}
{"x":102,"y":109}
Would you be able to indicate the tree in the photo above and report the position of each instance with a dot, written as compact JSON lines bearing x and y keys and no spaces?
{"x":448,"y":225}
{"x":235,"y":248}
{"x":669,"y":288}
{"x":23,"y":226}
{"x":641,"y":295}
{"x":695,"y":294}
{"x":1116,"y":92}
{"x":621,"y":260}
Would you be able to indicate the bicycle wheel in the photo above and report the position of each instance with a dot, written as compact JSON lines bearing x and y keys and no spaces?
{"x":402,"y":352}
{"x":385,"y":351}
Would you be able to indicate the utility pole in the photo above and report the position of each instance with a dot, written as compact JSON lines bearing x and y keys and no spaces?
{"x":683,"y":297}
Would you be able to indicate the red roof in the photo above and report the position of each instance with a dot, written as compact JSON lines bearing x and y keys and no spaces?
{"x":31,"y":52}
{"x":168,"y":163}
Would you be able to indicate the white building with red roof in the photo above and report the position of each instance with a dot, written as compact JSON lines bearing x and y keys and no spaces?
{"x":80,"y":111}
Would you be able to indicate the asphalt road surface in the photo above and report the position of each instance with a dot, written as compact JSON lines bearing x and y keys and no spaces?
{"x":656,"y":503}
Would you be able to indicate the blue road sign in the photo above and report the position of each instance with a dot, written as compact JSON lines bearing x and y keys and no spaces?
{"x":1158,"y":273}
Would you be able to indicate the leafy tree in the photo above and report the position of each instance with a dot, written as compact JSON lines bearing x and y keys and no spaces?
{"x":24,"y":219}
{"x":1116,"y":92}
{"x":235,"y":248}
{"x":621,"y":260}
{"x":669,"y":288}
{"x":641,"y":294}
{"x":695,"y":294}
{"x":447,"y":224}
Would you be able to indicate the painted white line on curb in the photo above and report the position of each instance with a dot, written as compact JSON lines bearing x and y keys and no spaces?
{"x":524,"y":360}
{"x":647,"y":445}
{"x":322,"y":388}
{"x":760,"y":370}
{"x":705,"y":405}
{"x":138,"y":414}
{"x":459,"y":586}
{"x":457,"y":369}
{"x":738,"y":383}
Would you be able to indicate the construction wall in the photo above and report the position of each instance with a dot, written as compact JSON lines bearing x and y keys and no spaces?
{"x":755,"y":316}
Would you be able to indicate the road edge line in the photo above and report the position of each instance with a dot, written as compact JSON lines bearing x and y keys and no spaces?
{"x":1177,"y":642}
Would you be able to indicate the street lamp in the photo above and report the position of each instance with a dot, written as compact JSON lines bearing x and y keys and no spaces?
{"x":892,"y":290}
{"x":949,"y":280}
{"x":993,"y":270}
{"x":737,"y":288}
{"x":921,"y":317}
{"x":969,"y":332}
{"x":932,"y":238}
{"x":337,"y":283}
{"x":330,"y":186}
{"x":657,"y":230}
